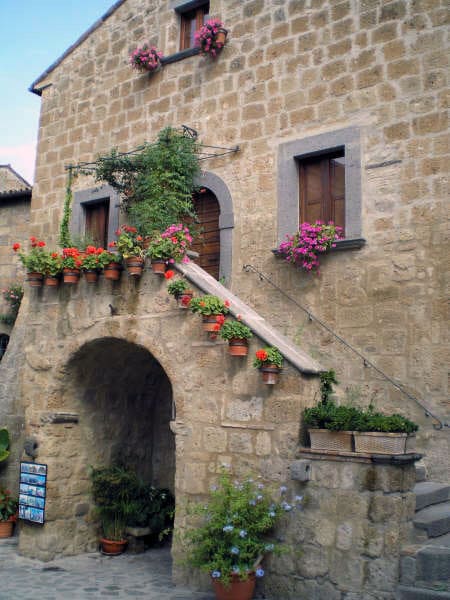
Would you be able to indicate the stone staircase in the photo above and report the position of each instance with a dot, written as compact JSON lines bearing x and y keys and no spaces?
{"x":425,"y":564}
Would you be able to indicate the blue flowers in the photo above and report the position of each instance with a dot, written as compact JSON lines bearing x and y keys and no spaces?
{"x":259,"y":572}
{"x":272,"y":513}
{"x":283,"y":489}
{"x":215,"y":574}
{"x":228,"y":528}
{"x":234,"y":550}
{"x":285,"y":506}
{"x":235,"y":569}
{"x":242,"y":533}
{"x":269,"y":547}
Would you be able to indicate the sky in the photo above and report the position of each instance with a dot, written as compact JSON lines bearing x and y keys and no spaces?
{"x":33,"y":34}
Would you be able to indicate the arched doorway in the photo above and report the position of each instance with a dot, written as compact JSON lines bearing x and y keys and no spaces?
{"x":207,"y":241}
{"x":123,"y":400}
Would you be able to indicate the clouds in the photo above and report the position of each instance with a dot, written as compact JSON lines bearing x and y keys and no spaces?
{"x":21,"y":158}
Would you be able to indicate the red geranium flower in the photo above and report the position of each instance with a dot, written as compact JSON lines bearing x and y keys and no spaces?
{"x":41,"y":244}
{"x":16,"y":246}
{"x":185,"y":300}
{"x":169,"y":274}
{"x":220,"y":319}
{"x":227,"y":303}
{"x":217,"y":326}
{"x":261,"y":355}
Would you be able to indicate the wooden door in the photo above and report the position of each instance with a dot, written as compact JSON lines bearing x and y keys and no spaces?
{"x":97,"y":222}
{"x":207,"y":242}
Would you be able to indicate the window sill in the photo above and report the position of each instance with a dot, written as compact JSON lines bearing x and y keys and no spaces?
{"x":350,"y":244}
{"x":167,"y":60}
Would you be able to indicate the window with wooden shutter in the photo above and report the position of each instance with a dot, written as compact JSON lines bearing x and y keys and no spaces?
{"x":191,"y":21}
{"x":207,"y":243}
{"x":96,"y":223}
{"x":322,"y":188}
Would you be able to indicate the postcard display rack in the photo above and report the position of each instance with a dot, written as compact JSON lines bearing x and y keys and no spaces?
{"x":32,"y":491}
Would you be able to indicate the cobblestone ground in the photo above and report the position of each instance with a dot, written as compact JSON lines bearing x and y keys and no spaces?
{"x":87,"y":576}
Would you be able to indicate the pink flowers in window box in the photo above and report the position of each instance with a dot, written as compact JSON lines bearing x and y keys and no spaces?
{"x":211,"y":37}
{"x":303,"y":247}
{"x":147,"y":58}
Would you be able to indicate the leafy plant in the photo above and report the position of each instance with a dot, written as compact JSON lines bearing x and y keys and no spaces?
{"x":4,"y":444}
{"x":52,"y":263}
{"x":303,"y":247}
{"x":268,"y":355}
{"x":177,"y":287}
{"x":153,"y":507}
{"x":235,"y":329}
{"x":34,"y":260}
{"x":171,"y":245}
{"x":129,"y":242}
{"x":156,"y":184}
{"x":64,"y":233}
{"x":209,"y":305}
{"x":232,"y":537}
{"x":370,"y":420}
{"x":327,"y":380}
{"x":8,"y":504}
{"x":13,"y":296}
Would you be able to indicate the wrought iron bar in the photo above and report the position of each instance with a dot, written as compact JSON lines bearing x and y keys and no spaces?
{"x":367,"y":363}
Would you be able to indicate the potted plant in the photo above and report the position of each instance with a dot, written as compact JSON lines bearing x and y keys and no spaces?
{"x":237,"y":335}
{"x":8,"y":512}
{"x":303,"y":247}
{"x":90,"y":264}
{"x":71,"y":264}
{"x":130,"y":245}
{"x":232,"y":538}
{"x":111,"y":262}
{"x":378,"y":433}
{"x":152,"y":513}
{"x":211,"y":37}
{"x":179,"y":289}
{"x":13,"y":296}
{"x":212,"y":309}
{"x":169,"y":247}
{"x":114,"y":490}
{"x":147,"y":58}
{"x":52,"y":268}
{"x":33,"y":261}
{"x":269,"y":361}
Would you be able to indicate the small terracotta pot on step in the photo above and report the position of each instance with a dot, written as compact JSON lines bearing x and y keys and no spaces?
{"x":7,"y":528}
{"x":113,"y":547}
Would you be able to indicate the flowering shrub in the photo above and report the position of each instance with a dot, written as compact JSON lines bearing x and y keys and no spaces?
{"x":34,"y":260}
{"x":232,"y":538}
{"x":13,"y":296}
{"x":129,"y":242}
{"x":172,"y":245}
{"x":96,"y":258}
{"x":8,"y":504}
{"x":71,"y":258}
{"x":302,"y":248}
{"x":206,"y":38}
{"x":146,"y":58}
{"x":268,"y":356}
{"x":209,"y":305}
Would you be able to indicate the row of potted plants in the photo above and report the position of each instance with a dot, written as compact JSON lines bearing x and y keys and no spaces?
{"x":210,"y":39}
{"x":130,"y":247}
{"x":350,"y":428}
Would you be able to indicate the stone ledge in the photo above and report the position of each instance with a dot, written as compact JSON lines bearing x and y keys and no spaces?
{"x":240,"y":425}
{"x":361,"y":457}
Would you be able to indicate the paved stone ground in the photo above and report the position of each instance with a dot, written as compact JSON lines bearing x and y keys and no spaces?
{"x":87,"y":576}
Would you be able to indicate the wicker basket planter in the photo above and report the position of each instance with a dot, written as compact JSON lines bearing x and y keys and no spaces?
{"x":376,"y":442}
{"x":324,"y":439}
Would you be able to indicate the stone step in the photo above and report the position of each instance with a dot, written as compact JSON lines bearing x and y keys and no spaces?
{"x":428,"y":562}
{"x":434,"y":520}
{"x":429,"y":492}
{"x":412,"y":593}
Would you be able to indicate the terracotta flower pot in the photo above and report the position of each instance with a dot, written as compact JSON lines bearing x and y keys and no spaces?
{"x":238,"y":347}
{"x":270,"y":374}
{"x":7,"y":528}
{"x":221,"y":36}
{"x":135,"y":266}
{"x":237,"y":590}
{"x":91,"y":275}
{"x":158,"y":266}
{"x":184,"y":299}
{"x":113,"y":547}
{"x":51,"y":281}
{"x":71,"y":276}
{"x":209,"y":323}
{"x":35,"y":279}
{"x":112,"y":271}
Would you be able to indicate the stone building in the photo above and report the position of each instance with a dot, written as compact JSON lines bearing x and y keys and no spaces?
{"x":338,"y":110}
{"x":15,"y":200}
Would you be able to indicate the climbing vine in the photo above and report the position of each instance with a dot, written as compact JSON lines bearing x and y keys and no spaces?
{"x":64,"y":232}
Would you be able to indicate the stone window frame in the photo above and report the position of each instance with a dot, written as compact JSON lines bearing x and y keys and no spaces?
{"x":226,"y":219}
{"x":93,"y":196}
{"x":289,"y":153}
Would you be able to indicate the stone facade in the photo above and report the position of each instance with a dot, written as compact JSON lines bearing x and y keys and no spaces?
{"x":291,"y":70}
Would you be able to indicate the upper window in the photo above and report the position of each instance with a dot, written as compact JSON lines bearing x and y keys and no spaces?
{"x":191,"y":21}
{"x":96,"y":222}
{"x":95,"y":213}
{"x":322,"y":188}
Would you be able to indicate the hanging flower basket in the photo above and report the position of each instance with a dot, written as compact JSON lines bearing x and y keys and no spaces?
{"x":146,"y":59}
{"x":269,"y":361}
{"x":51,"y":281}
{"x":211,"y":37}
{"x":135,"y":266}
{"x":35,"y":279}
{"x":91,"y":275}
{"x":71,"y":276}
{"x":112,"y":271}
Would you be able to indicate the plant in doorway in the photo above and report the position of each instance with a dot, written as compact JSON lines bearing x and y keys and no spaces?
{"x":8,"y":512}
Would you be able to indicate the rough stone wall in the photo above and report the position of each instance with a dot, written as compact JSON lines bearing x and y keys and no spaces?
{"x":79,"y":359}
{"x":293,"y":69}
